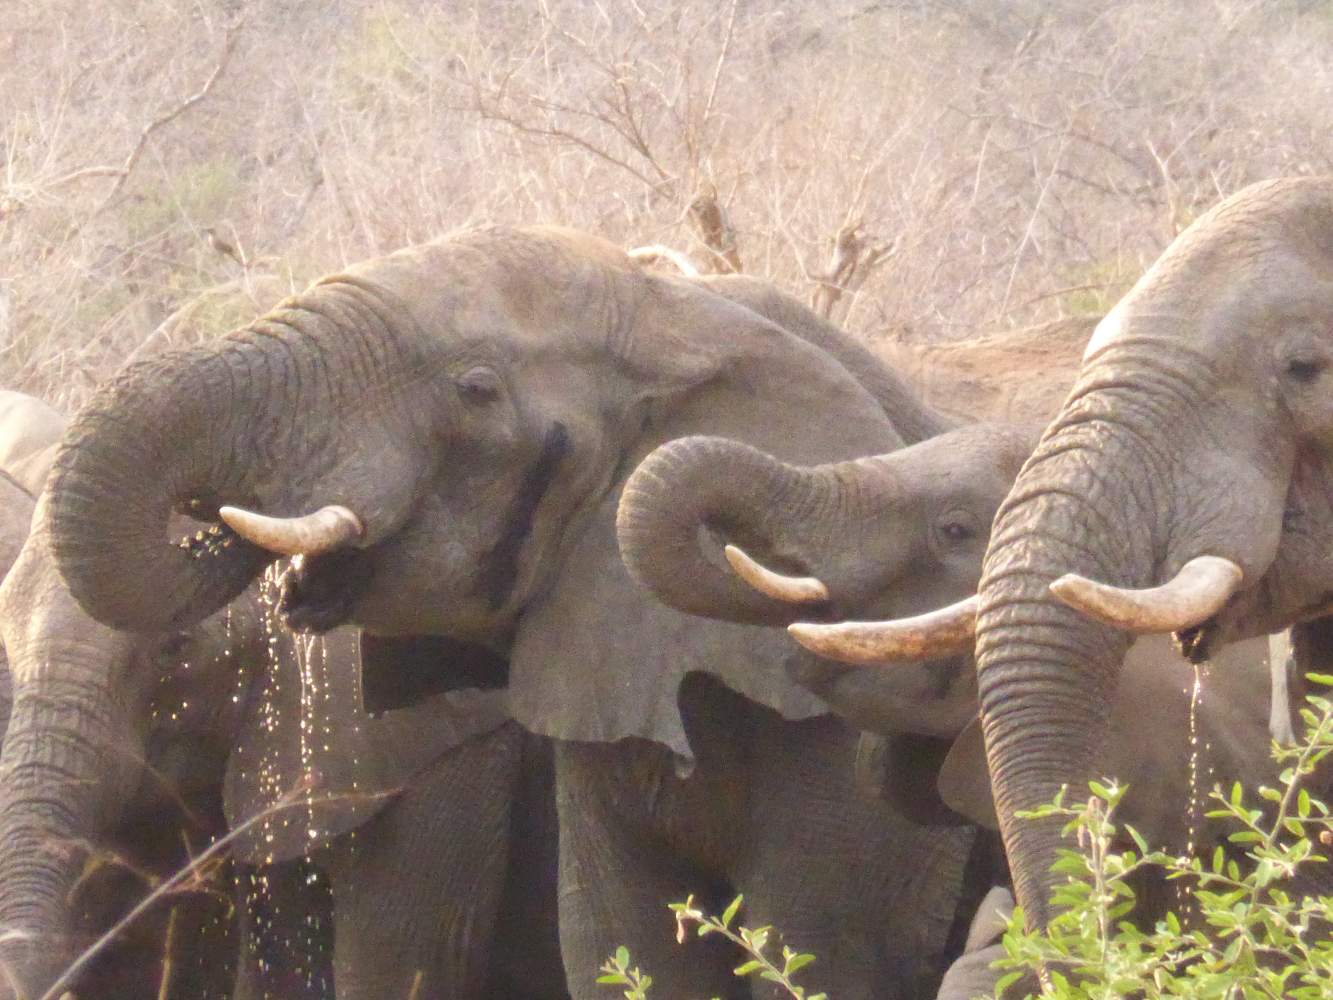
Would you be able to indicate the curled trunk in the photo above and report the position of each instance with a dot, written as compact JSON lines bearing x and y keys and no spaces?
{"x":161,"y":435}
{"x":258,"y":420}
{"x":696,"y":483}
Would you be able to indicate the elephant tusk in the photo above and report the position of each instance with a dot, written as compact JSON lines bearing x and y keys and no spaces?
{"x":792,"y":589}
{"x":326,"y":529}
{"x":656,"y":252}
{"x":946,"y":631}
{"x":1195,"y":594}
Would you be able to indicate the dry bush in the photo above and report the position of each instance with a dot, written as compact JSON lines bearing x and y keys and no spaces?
{"x":1005,"y":163}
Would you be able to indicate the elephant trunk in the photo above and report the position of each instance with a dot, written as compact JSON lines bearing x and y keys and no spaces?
{"x":750,"y":497}
{"x":259,"y":420}
{"x":165,"y":434}
{"x":1094,"y":499}
{"x":70,"y":761}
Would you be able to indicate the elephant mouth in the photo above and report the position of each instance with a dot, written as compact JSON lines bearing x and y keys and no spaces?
{"x":319,"y":593}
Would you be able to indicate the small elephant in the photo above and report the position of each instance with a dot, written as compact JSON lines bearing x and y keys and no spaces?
{"x":427,"y":856}
{"x":442,"y":435}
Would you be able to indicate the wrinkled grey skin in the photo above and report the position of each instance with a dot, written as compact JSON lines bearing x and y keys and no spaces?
{"x":971,"y":975}
{"x":1200,"y":424}
{"x":477,"y":403}
{"x":199,"y":729}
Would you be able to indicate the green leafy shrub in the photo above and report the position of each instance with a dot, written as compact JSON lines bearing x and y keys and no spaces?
{"x":1253,"y":936}
{"x":617,"y":971}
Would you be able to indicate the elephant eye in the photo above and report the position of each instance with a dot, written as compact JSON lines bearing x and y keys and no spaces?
{"x":956,"y":530}
{"x":1304,"y":369}
{"x":480,"y":385}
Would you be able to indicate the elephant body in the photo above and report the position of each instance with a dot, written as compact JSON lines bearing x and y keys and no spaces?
{"x":1017,"y":376}
{"x":468,"y":412}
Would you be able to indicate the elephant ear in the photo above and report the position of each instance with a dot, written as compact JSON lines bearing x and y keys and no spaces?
{"x":597,"y":657}
{"x":964,"y":780}
{"x":399,"y":671}
{"x":314,"y":764}
{"x":903,"y":769}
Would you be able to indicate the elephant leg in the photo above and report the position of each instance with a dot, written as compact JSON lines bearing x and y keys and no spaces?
{"x":617,"y":877}
{"x":525,"y":962}
{"x":286,"y":917}
{"x":416,"y":889}
{"x":845,"y":876}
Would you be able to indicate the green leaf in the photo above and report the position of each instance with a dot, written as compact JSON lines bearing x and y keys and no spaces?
{"x":622,"y":957}
{"x":748,"y":967}
{"x":798,"y":962}
{"x":729,"y":914}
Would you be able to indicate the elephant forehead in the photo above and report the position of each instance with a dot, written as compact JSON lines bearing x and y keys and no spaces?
{"x":493,"y":283}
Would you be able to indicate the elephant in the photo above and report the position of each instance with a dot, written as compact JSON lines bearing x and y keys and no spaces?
{"x":898,"y":536}
{"x":441,"y":436}
{"x":1182,"y":488}
{"x":428,"y":854}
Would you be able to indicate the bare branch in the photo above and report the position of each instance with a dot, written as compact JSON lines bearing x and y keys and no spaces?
{"x":122,"y":173}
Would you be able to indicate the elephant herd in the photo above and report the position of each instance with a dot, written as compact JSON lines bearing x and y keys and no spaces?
{"x":491,"y":595}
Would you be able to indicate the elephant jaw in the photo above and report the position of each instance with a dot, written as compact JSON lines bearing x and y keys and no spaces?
{"x":319,"y":593}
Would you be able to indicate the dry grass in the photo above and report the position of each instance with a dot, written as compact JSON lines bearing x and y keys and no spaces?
{"x":1011,"y":162}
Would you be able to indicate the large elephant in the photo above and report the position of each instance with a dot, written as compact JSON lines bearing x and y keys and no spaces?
{"x":1183,"y":487}
{"x":441,"y":435}
{"x":428,"y":857}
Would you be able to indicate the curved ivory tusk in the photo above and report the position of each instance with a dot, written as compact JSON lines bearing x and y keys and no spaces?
{"x":792,"y":589}
{"x":326,"y":529}
{"x":944,"y":632}
{"x":1198,"y":591}
{"x":655,"y":252}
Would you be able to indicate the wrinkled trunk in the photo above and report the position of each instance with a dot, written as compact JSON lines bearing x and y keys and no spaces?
{"x":1105,"y":497}
{"x":254,"y":420}
{"x":779,"y":510}
{"x":158,"y":437}
{"x":70,"y":761}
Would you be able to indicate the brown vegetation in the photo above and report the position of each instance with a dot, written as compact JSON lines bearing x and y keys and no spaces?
{"x":164,"y":174}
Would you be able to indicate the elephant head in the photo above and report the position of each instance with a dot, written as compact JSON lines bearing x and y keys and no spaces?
{"x":892,"y":536}
{"x":1183,"y":487}
{"x":441,"y":436}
